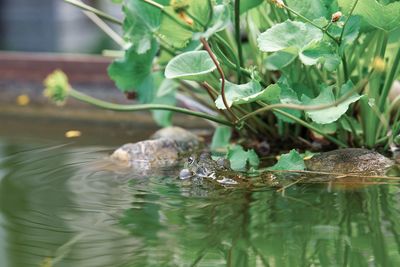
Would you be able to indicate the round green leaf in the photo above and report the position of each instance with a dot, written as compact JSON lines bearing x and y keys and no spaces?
{"x":190,"y":66}
{"x":291,"y":161}
{"x":288,"y":34}
{"x":326,"y":96}
{"x":382,"y":16}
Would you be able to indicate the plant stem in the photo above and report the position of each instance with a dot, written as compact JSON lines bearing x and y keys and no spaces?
{"x":347,"y":20}
{"x":237,"y":34}
{"x":231,"y":54}
{"x":128,"y":108}
{"x":275,"y":107}
{"x":311,"y":22}
{"x":370,"y":120}
{"x":345,"y":70}
{"x":309,"y":126}
{"x":162,"y":8}
{"x":288,"y":11}
{"x":210,"y":13}
{"x":99,"y":13}
{"x":389,"y":80}
{"x":226,"y":61}
{"x":221,"y":73}
{"x":106,"y":29}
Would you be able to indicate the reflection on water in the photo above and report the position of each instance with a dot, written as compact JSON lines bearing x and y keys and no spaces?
{"x":64,"y":206}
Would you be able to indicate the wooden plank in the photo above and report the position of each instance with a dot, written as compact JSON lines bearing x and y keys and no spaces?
{"x":34,"y":67}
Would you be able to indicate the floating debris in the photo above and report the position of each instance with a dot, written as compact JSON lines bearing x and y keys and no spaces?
{"x":23,"y":100}
{"x":73,"y":134}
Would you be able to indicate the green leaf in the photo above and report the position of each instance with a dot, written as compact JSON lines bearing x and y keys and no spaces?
{"x":133,"y":71}
{"x":311,"y":9}
{"x":172,"y":33}
{"x":246,"y":5}
{"x":220,"y":20}
{"x":165,"y":95}
{"x":141,"y":20}
{"x":350,"y":122}
{"x":351,"y":30}
{"x":236,"y":94}
{"x":378,"y":15}
{"x":320,"y":52}
{"x":281,"y":59}
{"x":329,"y":128}
{"x":241,"y":159}
{"x":326,"y":96}
{"x":190,"y":66}
{"x":288,"y":34}
{"x":221,"y":138}
{"x":291,"y":161}
{"x":286,"y":95}
{"x":200,"y":10}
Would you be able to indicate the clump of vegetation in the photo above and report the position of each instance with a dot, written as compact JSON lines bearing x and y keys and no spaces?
{"x":270,"y":70}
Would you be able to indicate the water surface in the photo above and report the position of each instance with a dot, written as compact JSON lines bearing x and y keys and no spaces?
{"x":66,"y":205}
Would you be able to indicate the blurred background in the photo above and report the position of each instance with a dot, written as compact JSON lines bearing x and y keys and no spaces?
{"x":52,"y":26}
{"x":38,"y":37}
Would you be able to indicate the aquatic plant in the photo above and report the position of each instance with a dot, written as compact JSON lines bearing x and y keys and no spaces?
{"x":270,"y":70}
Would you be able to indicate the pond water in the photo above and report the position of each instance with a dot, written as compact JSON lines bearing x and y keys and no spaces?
{"x":66,"y":205}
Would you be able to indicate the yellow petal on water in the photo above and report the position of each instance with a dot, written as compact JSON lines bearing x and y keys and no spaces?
{"x":73,"y":134}
{"x":23,"y":100}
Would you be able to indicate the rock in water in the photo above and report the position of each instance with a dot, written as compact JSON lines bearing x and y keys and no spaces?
{"x":184,"y":139}
{"x":350,"y":160}
{"x":166,"y":148}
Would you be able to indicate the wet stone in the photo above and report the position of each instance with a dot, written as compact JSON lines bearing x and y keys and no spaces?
{"x":166,"y":148}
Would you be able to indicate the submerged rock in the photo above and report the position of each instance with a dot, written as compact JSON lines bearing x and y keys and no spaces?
{"x":166,"y":148}
{"x":350,"y":160}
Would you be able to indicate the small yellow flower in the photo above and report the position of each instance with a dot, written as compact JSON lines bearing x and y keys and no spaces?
{"x":379,"y":64}
{"x":57,"y":87}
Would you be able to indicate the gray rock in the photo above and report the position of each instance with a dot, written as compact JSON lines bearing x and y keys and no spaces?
{"x":184,"y":139}
{"x":165,"y":148}
{"x":350,"y":160}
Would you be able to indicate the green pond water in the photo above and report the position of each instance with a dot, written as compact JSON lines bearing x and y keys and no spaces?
{"x":66,"y":205}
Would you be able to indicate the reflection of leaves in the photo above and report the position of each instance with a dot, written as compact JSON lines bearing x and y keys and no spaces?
{"x":240,"y":158}
{"x":143,"y":221}
{"x":291,"y":161}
